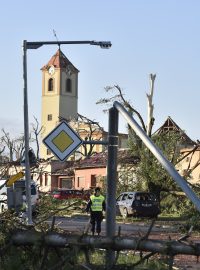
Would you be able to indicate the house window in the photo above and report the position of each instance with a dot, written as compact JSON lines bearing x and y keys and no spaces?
{"x":68,"y":86}
{"x":46,"y":179}
{"x":49,"y":117}
{"x":81,"y":182}
{"x":50,"y":84}
{"x":41,"y":182}
{"x":66,"y":183}
{"x":48,"y":152}
{"x":93,"y":180}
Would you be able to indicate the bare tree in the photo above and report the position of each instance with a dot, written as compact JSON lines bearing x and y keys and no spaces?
{"x":37,"y":131}
{"x":150,"y":107}
{"x":19,"y":147}
{"x":15,"y":146}
{"x":9,"y":143}
{"x":88,"y":130}
{"x":120,"y":97}
{"x":2,"y":149}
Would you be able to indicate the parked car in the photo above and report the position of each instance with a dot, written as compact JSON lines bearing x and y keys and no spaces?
{"x":138,"y":204}
{"x":65,"y":194}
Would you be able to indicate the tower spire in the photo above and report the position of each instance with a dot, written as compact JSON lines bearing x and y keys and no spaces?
{"x":55,"y":35}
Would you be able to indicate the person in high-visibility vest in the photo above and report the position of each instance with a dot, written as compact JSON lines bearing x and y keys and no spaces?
{"x":96,"y":206}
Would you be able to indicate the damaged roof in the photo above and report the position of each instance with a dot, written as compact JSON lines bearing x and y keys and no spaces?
{"x":59,"y":60}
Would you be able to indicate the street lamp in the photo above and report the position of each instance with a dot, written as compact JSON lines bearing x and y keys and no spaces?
{"x":35,"y":45}
{"x":38,"y":44}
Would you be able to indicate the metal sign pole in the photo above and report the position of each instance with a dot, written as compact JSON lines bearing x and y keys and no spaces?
{"x":26,"y":137}
{"x":111,"y":182}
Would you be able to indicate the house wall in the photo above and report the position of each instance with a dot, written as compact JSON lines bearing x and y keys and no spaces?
{"x":191,"y":160}
{"x":85,"y":177}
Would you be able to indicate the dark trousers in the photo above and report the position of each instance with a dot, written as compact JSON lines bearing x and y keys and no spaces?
{"x":95,"y":220}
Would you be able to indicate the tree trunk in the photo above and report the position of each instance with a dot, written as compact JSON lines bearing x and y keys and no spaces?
{"x":53,"y":239}
{"x":150,"y":105}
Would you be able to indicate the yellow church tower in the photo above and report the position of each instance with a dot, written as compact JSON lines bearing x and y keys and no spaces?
{"x":59,"y":95}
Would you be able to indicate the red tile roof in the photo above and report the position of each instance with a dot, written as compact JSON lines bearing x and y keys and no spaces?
{"x":59,"y":60}
{"x":97,"y":160}
{"x":100,"y":159}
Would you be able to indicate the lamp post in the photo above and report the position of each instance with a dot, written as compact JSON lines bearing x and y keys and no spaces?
{"x":35,"y":45}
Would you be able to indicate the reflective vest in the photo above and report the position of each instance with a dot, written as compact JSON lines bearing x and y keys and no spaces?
{"x":97,"y":202}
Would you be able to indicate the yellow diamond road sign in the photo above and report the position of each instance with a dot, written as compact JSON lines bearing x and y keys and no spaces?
{"x":62,"y":141}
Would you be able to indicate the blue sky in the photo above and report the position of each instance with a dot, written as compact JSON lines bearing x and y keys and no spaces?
{"x":148,"y":36}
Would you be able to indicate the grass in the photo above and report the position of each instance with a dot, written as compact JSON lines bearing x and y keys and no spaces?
{"x":163,"y":217}
{"x":126,"y":260}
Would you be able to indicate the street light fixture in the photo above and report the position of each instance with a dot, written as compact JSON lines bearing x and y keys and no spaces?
{"x":35,"y":45}
{"x":38,"y":44}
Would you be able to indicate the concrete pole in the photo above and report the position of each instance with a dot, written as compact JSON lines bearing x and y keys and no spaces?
{"x":111,"y":182}
{"x":26,"y":137}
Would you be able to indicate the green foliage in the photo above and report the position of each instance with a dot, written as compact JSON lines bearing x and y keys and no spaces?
{"x":179,"y":205}
{"x":193,"y":221}
{"x":49,"y":206}
{"x":173,"y":204}
{"x":149,"y":171}
{"x":192,"y":216}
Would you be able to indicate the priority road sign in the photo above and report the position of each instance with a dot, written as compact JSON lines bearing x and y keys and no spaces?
{"x":62,"y":141}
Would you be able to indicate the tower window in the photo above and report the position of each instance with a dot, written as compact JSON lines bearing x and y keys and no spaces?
{"x":49,"y":117}
{"x":68,"y":86}
{"x":50,"y":84}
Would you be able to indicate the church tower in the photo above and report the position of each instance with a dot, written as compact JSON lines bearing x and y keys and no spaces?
{"x":59,"y":95}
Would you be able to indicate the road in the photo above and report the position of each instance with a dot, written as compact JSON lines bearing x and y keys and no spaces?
{"x":78,"y":223}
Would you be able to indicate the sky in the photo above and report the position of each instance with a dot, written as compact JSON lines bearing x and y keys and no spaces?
{"x":147,"y":36}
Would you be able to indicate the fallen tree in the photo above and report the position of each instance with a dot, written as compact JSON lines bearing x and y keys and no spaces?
{"x":117,"y":243}
{"x":43,"y":247}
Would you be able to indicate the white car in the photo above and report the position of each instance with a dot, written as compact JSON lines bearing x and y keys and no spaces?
{"x":137,"y":203}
